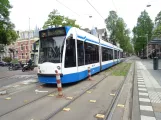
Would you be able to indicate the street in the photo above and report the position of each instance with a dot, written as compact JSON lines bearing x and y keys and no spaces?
{"x":9,"y":77}
{"x":108,"y":96}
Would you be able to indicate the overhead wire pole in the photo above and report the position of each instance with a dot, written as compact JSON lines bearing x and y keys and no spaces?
{"x":29,"y":40}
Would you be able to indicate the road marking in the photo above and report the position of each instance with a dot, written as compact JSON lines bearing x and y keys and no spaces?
{"x":147,"y":108}
{"x":8,"y":98}
{"x":144,"y":99}
{"x":140,"y":78}
{"x":144,"y":94}
{"x":51,"y":95}
{"x":142,"y":89}
{"x":25,"y":101}
{"x":70,"y":98}
{"x":141,"y":85}
{"x":147,"y":118}
{"x":40,"y":91}
{"x":112,"y":94}
{"x":66,"y":109}
{"x":93,"y":101}
{"x":100,"y":116}
{"x":89,"y":92}
{"x":120,"y":105}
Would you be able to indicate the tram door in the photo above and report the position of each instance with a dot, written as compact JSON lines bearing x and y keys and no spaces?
{"x":81,"y":60}
{"x":70,"y":60}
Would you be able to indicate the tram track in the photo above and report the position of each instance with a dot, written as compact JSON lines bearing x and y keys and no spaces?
{"x":111,"y":109}
{"x":52,"y":92}
{"x":91,"y":87}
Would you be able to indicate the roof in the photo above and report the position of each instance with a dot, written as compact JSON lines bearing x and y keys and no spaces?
{"x":155,"y":41}
{"x":101,"y":31}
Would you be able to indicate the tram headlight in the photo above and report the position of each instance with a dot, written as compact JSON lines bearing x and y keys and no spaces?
{"x":58,"y":67}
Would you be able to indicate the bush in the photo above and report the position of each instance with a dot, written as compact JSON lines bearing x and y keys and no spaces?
{"x":7,"y":59}
{"x":14,"y":61}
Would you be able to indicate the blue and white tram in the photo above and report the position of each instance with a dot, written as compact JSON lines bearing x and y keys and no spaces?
{"x":71,"y":51}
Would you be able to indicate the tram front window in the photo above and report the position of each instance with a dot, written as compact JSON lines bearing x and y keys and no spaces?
{"x":51,"y":50}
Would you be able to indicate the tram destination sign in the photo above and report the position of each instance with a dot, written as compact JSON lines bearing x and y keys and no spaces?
{"x":52,"y":32}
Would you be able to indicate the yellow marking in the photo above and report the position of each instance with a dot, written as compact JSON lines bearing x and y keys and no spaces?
{"x":100,"y":116}
{"x":70,"y":98}
{"x":51,"y":95}
{"x":89,"y":92}
{"x":8,"y":98}
{"x":120,"y":105}
{"x":25,"y":101}
{"x":66,"y":109}
{"x":112,"y":94}
{"x":93,"y":101}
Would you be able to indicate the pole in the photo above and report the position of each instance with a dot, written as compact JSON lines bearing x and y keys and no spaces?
{"x":29,"y":40}
{"x":147,"y":46}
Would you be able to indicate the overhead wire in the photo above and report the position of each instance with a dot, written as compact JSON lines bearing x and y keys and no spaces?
{"x":67,"y":7}
{"x":95,"y":9}
{"x":114,"y":5}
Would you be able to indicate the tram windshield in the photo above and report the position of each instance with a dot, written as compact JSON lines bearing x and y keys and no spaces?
{"x":51,"y":49}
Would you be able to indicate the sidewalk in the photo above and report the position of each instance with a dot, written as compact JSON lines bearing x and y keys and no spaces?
{"x":149,"y":90}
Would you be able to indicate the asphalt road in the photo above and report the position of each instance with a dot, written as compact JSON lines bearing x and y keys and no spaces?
{"x":10,"y":77}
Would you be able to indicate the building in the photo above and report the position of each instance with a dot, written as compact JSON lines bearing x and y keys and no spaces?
{"x":22,"y":48}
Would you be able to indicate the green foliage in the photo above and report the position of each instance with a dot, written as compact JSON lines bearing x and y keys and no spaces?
{"x":118,"y":31}
{"x":157,"y":29}
{"x":56,"y":20}
{"x":14,"y":61}
{"x":122,"y":70}
{"x":141,"y":31}
{"x":111,"y":22}
{"x":7,"y":59}
{"x":7,"y":33}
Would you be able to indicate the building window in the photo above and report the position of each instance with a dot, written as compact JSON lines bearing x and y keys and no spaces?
{"x":22,"y":56}
{"x":21,"y":46}
{"x":26,"y":47}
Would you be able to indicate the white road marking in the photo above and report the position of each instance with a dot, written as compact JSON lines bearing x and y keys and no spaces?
{"x":147,"y":108}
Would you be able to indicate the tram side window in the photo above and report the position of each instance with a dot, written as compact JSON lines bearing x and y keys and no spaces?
{"x":115,"y":52}
{"x":70,"y":56}
{"x":110,"y":54}
{"x":91,"y":53}
{"x":80,"y":51}
{"x":104,"y":54}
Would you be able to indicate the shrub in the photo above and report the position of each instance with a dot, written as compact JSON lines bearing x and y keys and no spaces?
{"x":7,"y":59}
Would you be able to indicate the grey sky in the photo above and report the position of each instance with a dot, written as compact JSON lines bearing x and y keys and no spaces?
{"x":38,"y":11}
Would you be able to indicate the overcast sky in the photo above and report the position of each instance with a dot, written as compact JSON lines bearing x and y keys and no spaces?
{"x":38,"y":10}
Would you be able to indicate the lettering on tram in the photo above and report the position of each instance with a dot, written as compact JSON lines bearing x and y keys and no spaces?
{"x":53,"y":32}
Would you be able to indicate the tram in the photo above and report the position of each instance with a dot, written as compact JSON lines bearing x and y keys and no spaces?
{"x":71,"y":51}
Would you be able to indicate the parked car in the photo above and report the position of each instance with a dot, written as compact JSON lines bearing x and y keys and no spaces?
{"x":2,"y":63}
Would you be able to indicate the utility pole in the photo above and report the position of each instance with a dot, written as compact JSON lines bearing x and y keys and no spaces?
{"x":29,"y":40}
{"x":147,"y":45}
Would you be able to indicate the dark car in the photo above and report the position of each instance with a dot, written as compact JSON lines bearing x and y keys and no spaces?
{"x":2,"y":63}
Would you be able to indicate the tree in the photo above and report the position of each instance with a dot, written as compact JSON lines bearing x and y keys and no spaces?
{"x":157,"y":29}
{"x":118,"y":31}
{"x":143,"y":28}
{"x":7,"y":33}
{"x":111,"y":25}
{"x":56,"y":20}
